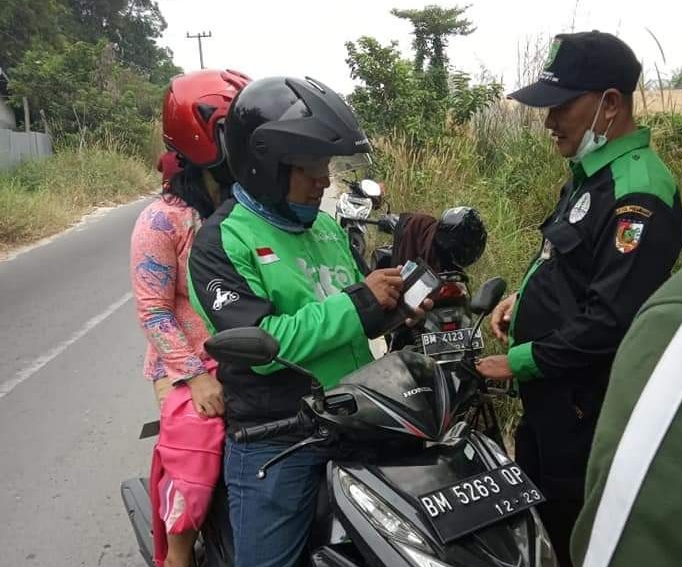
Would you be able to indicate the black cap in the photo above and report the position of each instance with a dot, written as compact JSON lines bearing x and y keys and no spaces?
{"x":579,"y":63}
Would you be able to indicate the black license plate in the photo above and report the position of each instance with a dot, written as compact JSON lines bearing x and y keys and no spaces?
{"x":478,"y":501}
{"x":450,"y":341}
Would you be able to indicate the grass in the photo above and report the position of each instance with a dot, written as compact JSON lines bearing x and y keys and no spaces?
{"x":42,"y":197}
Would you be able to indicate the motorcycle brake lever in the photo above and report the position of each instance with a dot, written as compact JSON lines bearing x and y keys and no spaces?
{"x":319,"y":438}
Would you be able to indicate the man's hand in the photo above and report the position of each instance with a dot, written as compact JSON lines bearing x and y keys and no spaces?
{"x":386,"y":286}
{"x":207,"y":395}
{"x":495,"y":367}
{"x":501,"y":317}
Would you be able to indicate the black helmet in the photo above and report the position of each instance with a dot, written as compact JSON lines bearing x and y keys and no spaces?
{"x":460,"y":237}
{"x":278,"y":122}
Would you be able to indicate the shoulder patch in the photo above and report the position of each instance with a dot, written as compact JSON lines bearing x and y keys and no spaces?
{"x":628,"y":235}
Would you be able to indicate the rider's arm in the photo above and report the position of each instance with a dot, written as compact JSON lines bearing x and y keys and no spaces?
{"x":315,"y":329}
{"x":153,"y":266}
{"x":622,"y":283}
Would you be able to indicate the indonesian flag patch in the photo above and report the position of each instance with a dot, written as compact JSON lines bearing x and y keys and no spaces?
{"x":266,"y":256}
{"x":628,"y":235}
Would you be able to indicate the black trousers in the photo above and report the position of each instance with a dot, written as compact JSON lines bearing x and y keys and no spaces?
{"x":554,"y":455}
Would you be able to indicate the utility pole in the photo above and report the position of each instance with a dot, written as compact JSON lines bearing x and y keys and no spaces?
{"x":199,"y":37}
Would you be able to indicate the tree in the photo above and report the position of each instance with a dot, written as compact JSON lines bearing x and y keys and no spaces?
{"x":433,"y":26}
{"x":419,"y":97}
{"x":392,"y":96}
{"x":132,"y":26}
{"x":22,"y":22}
{"x":676,"y":80}
{"x":87,"y":94}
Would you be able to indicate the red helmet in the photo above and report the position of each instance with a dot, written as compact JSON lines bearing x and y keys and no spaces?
{"x":193,"y":107}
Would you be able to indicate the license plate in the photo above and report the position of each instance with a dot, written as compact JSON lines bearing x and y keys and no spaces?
{"x":479,"y":501}
{"x":450,"y":341}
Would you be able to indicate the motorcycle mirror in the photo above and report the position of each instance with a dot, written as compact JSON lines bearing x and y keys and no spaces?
{"x":245,"y":346}
{"x":370,"y":188}
{"x":488,"y":296}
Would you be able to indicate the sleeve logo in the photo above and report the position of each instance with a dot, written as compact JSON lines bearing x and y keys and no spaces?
{"x":223,"y":296}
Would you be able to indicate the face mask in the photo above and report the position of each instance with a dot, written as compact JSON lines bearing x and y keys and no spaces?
{"x":306,"y":214}
{"x":591,"y":140}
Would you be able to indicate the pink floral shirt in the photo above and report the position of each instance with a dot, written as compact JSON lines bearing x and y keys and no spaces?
{"x":160,"y":244}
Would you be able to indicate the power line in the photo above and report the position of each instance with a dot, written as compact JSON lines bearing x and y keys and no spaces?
{"x":199,"y":37}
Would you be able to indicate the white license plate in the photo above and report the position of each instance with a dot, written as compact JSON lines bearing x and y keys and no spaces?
{"x":450,"y":341}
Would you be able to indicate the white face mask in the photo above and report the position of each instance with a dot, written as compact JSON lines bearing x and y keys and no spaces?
{"x":591,"y":140}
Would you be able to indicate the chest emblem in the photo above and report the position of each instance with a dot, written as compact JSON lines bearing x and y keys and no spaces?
{"x":580,"y":209}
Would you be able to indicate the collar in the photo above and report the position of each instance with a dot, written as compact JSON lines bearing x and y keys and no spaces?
{"x":592,"y":163}
{"x":270,"y":216}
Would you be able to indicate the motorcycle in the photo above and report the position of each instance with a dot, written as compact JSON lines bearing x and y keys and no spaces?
{"x":418,"y":488}
{"x":445,"y":329}
{"x":411,"y":486}
{"x":353,"y":209}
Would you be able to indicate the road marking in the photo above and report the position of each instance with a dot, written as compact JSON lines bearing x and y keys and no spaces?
{"x":26,"y":373}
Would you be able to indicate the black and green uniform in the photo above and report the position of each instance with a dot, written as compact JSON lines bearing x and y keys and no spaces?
{"x":610,"y":243}
{"x":633,"y":475}
{"x":303,"y":288}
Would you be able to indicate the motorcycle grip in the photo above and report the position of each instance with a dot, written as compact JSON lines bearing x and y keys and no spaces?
{"x":267,"y":430}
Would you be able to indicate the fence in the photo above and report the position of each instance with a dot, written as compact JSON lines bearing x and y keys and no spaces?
{"x":20,"y":146}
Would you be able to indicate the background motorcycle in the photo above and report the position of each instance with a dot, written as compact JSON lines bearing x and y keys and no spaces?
{"x":353,"y":209}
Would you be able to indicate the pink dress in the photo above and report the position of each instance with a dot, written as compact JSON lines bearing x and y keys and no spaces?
{"x":160,"y":245}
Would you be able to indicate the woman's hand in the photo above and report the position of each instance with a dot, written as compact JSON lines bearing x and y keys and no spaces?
{"x":207,"y":395}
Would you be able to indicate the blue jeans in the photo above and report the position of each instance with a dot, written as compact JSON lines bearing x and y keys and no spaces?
{"x":271,"y":518}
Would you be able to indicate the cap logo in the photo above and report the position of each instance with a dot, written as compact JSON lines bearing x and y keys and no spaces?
{"x":553,"y":52}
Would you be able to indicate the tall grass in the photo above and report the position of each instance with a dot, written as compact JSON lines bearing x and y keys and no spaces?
{"x":155,"y":146}
{"x":502,"y":164}
{"x":39,"y":198}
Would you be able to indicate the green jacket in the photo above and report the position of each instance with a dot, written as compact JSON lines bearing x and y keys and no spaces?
{"x":640,"y":394}
{"x":303,"y":288}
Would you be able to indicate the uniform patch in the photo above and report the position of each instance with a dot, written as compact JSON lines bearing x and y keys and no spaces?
{"x":628,"y":235}
{"x":266,"y":256}
{"x":634,"y":209}
{"x":580,"y":209}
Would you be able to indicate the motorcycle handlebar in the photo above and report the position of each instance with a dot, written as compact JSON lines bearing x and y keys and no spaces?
{"x":273,"y":429}
{"x":384,"y":224}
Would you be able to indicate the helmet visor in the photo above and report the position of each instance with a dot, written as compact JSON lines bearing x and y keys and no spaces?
{"x":329,"y":166}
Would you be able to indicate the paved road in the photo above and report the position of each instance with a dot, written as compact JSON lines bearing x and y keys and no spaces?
{"x":71,"y":398}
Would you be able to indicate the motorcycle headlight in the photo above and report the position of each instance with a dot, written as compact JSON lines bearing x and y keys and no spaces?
{"x":380,"y":514}
{"x":352,"y":207}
